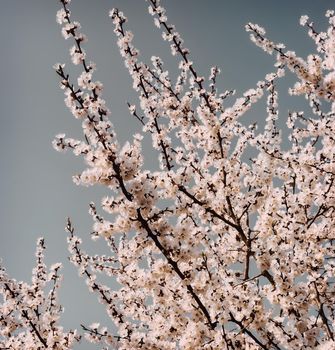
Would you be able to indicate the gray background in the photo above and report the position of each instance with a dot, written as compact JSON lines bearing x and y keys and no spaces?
{"x":36,"y":190}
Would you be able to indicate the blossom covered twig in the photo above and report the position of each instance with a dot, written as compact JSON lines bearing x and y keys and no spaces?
{"x":29,"y":318}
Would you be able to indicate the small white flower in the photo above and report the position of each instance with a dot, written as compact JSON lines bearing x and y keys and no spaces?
{"x":330,"y":13}
{"x":55,"y":266}
{"x":57,"y":66}
{"x":61,"y":16}
{"x":132,"y":109}
{"x":95,"y":325}
{"x":303,"y":20}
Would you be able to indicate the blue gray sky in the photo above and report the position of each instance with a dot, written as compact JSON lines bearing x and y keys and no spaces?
{"x":36,"y":189}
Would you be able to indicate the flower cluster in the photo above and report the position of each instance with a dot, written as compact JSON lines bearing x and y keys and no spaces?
{"x":29,"y":318}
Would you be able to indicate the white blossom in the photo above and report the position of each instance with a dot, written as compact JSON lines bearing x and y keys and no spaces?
{"x":303,"y":20}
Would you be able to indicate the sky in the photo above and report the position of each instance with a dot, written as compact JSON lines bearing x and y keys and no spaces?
{"x":36,"y":189}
